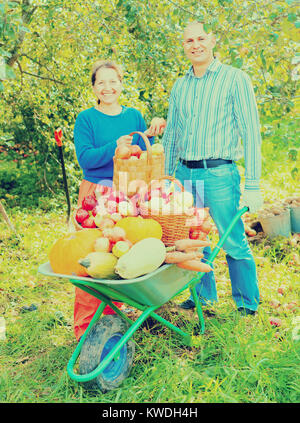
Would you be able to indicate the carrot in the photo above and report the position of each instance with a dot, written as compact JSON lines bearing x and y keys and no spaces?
{"x":178,"y":256}
{"x":196,"y":265}
{"x":185,"y":244}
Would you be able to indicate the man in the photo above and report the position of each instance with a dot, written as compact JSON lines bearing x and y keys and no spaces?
{"x":210,"y":109}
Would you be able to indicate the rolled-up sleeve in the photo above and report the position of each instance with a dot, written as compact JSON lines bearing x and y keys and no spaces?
{"x":170,"y":137}
{"x":247,"y":118}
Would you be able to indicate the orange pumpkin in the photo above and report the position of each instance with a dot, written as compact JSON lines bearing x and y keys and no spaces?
{"x":66,"y":251}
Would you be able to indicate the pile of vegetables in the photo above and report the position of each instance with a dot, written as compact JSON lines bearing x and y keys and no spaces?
{"x":115,"y":240}
{"x":132,"y":248}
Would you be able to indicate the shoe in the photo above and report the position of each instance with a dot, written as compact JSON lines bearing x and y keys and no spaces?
{"x":187,"y":305}
{"x":190,"y":305}
{"x":246,"y":311}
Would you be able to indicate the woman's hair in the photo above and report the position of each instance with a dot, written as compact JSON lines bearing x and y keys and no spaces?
{"x":108,"y":64}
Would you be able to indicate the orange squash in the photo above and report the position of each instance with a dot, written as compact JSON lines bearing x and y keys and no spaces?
{"x":66,"y":251}
{"x":137,"y":228}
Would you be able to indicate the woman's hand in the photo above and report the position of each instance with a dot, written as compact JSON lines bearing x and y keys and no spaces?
{"x":124,"y":140}
{"x":157,"y":127}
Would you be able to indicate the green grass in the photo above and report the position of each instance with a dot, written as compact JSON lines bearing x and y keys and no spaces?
{"x":237,"y":360}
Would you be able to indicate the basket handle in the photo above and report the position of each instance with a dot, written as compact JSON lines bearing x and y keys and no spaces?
{"x":171,"y":178}
{"x":147,"y":143}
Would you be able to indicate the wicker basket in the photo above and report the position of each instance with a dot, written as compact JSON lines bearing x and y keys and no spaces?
{"x":126,"y":171}
{"x":174,"y":226}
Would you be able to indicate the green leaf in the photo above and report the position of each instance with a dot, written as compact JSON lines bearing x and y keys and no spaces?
{"x":10,"y":74}
{"x":1,"y":87}
{"x":292,"y":154}
{"x":294,"y":173}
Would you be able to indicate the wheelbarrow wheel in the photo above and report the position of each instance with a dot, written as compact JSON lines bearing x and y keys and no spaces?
{"x":101,"y":339}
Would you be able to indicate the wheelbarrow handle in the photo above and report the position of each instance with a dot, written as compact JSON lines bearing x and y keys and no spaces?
{"x":219,"y":245}
{"x":58,"y":139}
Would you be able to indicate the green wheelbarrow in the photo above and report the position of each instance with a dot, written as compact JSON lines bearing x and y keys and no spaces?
{"x":106,"y":348}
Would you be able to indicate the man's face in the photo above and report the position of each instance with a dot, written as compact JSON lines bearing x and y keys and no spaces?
{"x":198,"y":45}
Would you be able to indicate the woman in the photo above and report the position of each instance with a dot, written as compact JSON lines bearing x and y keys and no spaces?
{"x":98,"y":132}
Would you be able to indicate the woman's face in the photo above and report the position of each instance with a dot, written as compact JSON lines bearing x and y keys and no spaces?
{"x":107,"y":87}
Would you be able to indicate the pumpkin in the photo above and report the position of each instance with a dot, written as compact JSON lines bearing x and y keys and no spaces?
{"x":137,"y":228}
{"x":66,"y":251}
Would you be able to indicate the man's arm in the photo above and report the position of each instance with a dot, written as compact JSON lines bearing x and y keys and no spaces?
{"x":170,"y":136}
{"x":247,"y":118}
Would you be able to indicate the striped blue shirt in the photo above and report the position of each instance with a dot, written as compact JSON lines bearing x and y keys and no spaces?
{"x":209,"y":116}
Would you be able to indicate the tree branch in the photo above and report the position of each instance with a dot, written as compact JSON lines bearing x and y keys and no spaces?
{"x":44,"y":77}
{"x":26,"y":17}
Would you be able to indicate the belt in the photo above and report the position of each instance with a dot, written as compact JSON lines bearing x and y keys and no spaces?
{"x":200,"y":163}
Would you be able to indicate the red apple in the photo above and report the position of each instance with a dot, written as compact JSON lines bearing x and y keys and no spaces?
{"x":81,"y":215}
{"x":135,"y":150}
{"x":274,"y":321}
{"x":116,"y":196}
{"x":102,"y":189}
{"x":89,"y":223}
{"x":89,"y":202}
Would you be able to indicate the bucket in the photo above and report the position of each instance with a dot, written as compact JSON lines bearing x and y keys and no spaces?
{"x":277,"y":225}
{"x":295,"y":219}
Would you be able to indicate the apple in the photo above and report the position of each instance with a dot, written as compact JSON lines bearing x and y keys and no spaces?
{"x":102,"y":189}
{"x":155,"y":204}
{"x":206,"y":227}
{"x":123,"y":152}
{"x":89,"y":202}
{"x":102,"y":244}
{"x":274,"y":321}
{"x":157,"y":149}
{"x":196,"y":233}
{"x":114,"y":234}
{"x":106,"y":222}
{"x":136,"y":150}
{"x":189,"y":211}
{"x":126,"y":208}
{"x":184,"y":198}
{"x":116,"y":217}
{"x":144,"y":155}
{"x":81,"y":215}
{"x":111,"y":207}
{"x":116,"y":196}
{"x":89,"y":223}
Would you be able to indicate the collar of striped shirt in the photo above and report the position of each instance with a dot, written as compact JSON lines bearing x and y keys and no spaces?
{"x":213,"y":67}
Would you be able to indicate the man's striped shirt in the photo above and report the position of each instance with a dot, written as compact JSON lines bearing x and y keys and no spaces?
{"x":209,"y":116}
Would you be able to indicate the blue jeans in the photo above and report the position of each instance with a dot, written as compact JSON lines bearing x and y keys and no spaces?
{"x":221,"y":193}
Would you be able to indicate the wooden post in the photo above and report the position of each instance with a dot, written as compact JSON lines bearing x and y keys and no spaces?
{"x":6,"y":218}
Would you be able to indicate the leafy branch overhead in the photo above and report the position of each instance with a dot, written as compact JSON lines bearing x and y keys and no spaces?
{"x":47,"y":49}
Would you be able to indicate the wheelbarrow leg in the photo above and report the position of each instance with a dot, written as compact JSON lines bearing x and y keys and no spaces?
{"x":82,"y":339}
{"x":199,"y":309}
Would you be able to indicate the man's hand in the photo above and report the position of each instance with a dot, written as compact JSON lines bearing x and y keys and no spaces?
{"x":252,"y":199}
{"x":124,"y":140}
{"x":157,"y":127}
